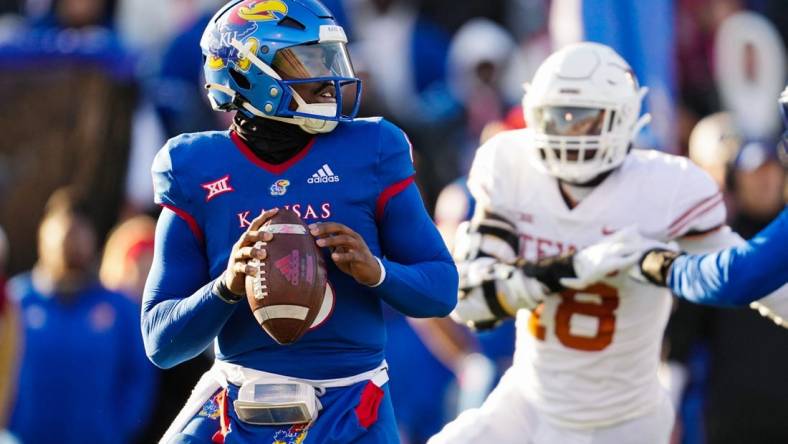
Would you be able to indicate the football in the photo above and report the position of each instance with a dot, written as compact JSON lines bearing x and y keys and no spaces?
{"x":287,"y":293}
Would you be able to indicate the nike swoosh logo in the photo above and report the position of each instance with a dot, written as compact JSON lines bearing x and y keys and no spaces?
{"x":608,"y":231}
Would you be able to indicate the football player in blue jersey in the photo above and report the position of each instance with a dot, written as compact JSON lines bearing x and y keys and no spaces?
{"x":283,"y":68}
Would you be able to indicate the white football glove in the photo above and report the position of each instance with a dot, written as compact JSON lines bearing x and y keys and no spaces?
{"x":492,"y":290}
{"x":615,"y":253}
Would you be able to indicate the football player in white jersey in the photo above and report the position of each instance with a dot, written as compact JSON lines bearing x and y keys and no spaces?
{"x":585,"y":365}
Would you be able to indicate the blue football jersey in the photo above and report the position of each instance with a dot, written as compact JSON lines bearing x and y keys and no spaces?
{"x":214,"y":182}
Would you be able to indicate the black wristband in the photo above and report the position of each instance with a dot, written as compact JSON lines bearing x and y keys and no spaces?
{"x":481,"y":326}
{"x":655,"y":265}
{"x":220,"y":289}
{"x":550,"y":271}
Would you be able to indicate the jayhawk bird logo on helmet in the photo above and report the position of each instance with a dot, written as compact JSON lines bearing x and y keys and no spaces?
{"x":260,"y":11}
{"x":280,"y":59}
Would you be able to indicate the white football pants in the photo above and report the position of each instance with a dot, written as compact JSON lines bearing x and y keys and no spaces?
{"x":506,"y":417}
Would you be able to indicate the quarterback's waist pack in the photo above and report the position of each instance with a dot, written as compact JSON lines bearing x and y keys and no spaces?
{"x":267,"y":399}
{"x":270,"y":399}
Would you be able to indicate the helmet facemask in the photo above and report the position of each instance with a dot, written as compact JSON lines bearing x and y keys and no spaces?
{"x":323,"y":74}
{"x":576,"y":143}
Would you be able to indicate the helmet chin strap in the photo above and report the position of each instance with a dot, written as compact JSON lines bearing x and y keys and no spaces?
{"x":311,"y":124}
{"x":308,"y":124}
{"x":645,"y":119}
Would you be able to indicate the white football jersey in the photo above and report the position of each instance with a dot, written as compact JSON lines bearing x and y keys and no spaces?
{"x":589,"y":358}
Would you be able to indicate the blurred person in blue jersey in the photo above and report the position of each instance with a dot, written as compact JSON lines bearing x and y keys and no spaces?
{"x":282,"y":67}
{"x":83,"y":374}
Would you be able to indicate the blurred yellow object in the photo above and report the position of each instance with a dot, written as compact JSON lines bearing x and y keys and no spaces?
{"x":10,"y":339}
{"x":713,"y":144}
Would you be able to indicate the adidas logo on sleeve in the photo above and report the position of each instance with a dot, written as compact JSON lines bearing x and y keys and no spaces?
{"x":323,"y":175}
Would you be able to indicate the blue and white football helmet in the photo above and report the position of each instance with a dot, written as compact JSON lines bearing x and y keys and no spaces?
{"x":256,"y":51}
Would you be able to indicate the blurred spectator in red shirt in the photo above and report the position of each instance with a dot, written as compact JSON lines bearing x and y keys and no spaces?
{"x":128,"y":254}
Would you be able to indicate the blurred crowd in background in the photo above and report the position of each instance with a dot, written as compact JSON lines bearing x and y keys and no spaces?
{"x":91,"y":89}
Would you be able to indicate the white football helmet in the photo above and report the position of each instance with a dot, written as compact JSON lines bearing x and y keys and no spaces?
{"x":584,"y":109}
